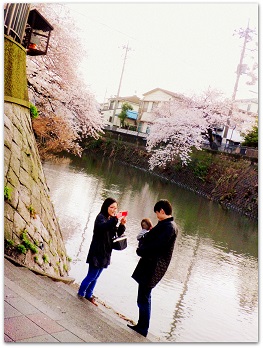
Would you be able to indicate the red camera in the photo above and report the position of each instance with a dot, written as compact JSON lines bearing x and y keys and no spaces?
{"x":122,"y":214}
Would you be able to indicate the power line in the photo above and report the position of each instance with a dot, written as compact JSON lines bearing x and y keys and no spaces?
{"x":101,"y":23}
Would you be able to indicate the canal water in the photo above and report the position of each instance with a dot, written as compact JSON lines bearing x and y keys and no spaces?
{"x":210,"y":291}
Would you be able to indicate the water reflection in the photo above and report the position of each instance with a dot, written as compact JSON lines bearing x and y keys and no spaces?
{"x":210,"y":291}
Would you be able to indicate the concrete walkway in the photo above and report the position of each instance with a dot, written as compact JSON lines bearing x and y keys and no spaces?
{"x":39,"y":309}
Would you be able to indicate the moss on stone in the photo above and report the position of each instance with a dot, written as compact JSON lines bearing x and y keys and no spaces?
{"x":15,"y":81}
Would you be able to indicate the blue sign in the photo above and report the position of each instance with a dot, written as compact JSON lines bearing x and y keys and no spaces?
{"x":132,"y":114}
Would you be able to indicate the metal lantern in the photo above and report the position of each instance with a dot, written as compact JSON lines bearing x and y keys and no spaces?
{"x":37,"y":34}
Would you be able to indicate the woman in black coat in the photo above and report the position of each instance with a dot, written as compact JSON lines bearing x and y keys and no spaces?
{"x":99,"y":255}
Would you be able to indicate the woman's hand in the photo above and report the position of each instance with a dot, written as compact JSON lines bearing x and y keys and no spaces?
{"x":123,"y":220}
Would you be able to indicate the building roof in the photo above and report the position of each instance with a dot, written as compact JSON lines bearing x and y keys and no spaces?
{"x":176,"y":95}
{"x":252,"y":100}
{"x":132,"y":99}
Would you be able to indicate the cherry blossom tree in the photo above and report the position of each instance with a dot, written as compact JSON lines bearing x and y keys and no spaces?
{"x":55,"y":84}
{"x":179,"y":125}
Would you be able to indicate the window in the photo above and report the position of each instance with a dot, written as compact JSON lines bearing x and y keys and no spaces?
{"x":154,"y":105}
{"x":145,"y":106}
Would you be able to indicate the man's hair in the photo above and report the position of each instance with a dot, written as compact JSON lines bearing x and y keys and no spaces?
{"x":163,"y":204}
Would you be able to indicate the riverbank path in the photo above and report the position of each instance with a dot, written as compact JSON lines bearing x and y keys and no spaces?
{"x":39,"y":309}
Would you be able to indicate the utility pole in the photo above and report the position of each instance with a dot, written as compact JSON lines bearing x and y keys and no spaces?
{"x":127,"y":48}
{"x":247,"y":37}
{"x":239,"y":67}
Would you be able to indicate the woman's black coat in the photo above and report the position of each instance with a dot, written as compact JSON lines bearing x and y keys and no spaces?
{"x":101,"y":245}
{"x":156,"y":252}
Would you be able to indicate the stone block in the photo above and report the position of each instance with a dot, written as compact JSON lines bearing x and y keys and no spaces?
{"x":19,"y":224}
{"x":43,"y":214}
{"x":16,"y":118}
{"x":36,"y":193}
{"x":15,"y":163}
{"x":23,"y":211}
{"x":35,"y":172}
{"x":40,"y":227}
{"x":12,"y":178}
{"x":9,"y":211}
{"x":8,"y":110}
{"x":8,"y":138}
{"x":8,"y":228}
{"x":14,"y":195}
{"x":16,"y":150}
{"x":25,"y":178}
{"x":26,"y":121}
{"x":17,"y":138}
{"x":22,"y":131}
{"x":25,"y":195}
{"x":8,"y":123}
{"x":26,"y":161}
{"x":30,"y":259}
{"x":7,"y":157}
{"x":36,"y":204}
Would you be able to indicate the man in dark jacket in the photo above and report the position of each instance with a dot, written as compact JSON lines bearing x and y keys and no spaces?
{"x":156,"y":253}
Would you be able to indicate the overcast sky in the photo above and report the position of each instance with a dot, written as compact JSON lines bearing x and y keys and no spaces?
{"x":181,"y":47}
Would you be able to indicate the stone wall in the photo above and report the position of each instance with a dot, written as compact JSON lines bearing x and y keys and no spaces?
{"x":32,"y":233}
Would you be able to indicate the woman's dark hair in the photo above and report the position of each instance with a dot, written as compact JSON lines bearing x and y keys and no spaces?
{"x":105,"y":205}
{"x":163,"y":204}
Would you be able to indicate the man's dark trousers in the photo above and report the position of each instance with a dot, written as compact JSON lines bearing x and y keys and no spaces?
{"x":144,"y":304}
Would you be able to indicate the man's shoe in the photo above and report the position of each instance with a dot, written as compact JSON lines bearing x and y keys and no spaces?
{"x":137,"y":329}
{"x":80,"y":297}
{"x":92,"y":300}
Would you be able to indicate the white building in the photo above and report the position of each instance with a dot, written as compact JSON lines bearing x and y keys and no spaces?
{"x":107,"y":110}
{"x":151,"y":100}
{"x":248,"y":106}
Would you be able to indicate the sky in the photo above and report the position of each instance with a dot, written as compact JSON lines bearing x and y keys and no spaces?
{"x":181,"y":47}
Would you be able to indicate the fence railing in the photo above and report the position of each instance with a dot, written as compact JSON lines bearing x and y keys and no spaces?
{"x":236,"y":149}
{"x":15,"y":19}
{"x":126,"y":131}
{"x":229,"y":148}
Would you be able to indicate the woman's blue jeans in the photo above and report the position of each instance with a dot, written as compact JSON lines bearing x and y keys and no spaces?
{"x":144,"y":304}
{"x":88,"y":284}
